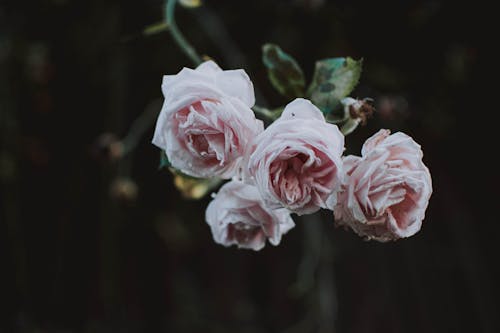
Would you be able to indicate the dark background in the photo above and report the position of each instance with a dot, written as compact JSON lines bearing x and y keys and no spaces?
{"x":76,"y":256}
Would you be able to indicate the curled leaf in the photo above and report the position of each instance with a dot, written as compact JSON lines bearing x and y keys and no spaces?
{"x":333,"y":80}
{"x":283,"y":71}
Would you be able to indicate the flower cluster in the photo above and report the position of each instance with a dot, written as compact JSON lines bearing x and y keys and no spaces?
{"x":207,"y":129}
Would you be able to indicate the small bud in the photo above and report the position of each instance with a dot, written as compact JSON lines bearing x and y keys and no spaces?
{"x":108,"y":147}
{"x":206,"y":57}
{"x":124,"y":190}
{"x":360,"y":109}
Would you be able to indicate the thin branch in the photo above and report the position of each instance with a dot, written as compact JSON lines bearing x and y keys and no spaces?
{"x":179,"y":38}
{"x":140,"y":125}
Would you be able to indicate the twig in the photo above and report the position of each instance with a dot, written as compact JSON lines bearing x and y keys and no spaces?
{"x":140,"y":125}
{"x":179,"y":38}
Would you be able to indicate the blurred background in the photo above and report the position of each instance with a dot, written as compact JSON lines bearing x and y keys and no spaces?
{"x":94,"y":243}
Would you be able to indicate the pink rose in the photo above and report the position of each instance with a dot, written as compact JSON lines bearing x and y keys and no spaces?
{"x":387,"y":190}
{"x":206,"y":124}
{"x":296,"y":162}
{"x":238,"y":216}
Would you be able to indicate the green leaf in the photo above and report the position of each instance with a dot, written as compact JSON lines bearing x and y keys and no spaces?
{"x":333,"y":80}
{"x":283,"y":71}
{"x":164,"y":162}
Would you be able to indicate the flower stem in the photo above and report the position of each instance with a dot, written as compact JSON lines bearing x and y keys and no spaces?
{"x":179,"y":38}
{"x":140,"y":125}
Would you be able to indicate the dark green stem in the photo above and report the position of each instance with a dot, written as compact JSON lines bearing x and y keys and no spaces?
{"x":186,"y":47}
{"x":140,"y":125}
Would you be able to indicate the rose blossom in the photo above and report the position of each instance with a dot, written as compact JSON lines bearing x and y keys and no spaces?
{"x":206,"y":124}
{"x":238,"y":216}
{"x":296,"y":162}
{"x":387,"y":190}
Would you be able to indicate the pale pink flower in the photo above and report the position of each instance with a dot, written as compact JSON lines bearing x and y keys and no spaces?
{"x":296,"y":162}
{"x":206,"y":124}
{"x":386,"y":191}
{"x":237,"y":216}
